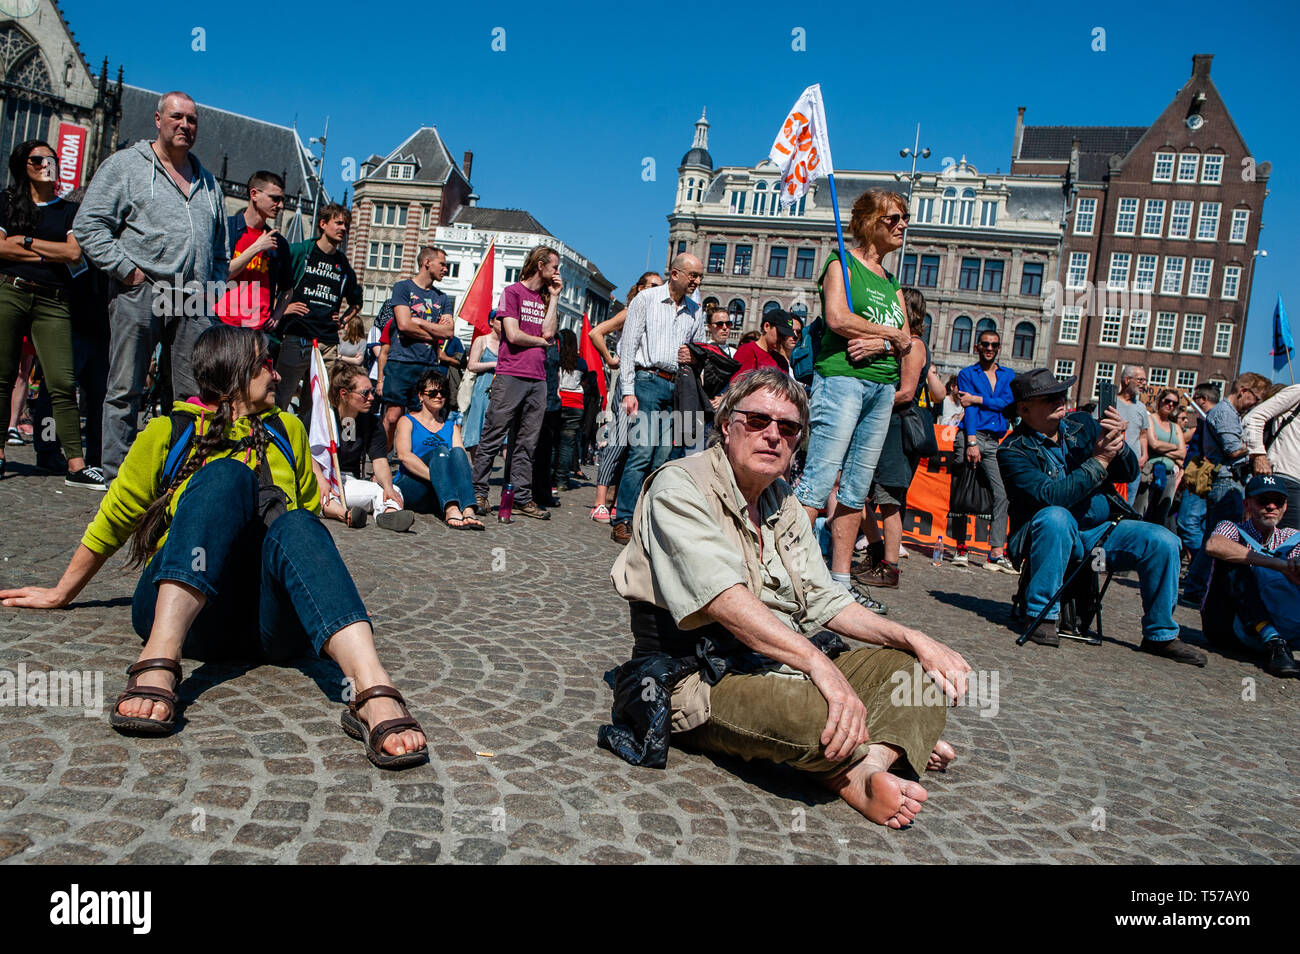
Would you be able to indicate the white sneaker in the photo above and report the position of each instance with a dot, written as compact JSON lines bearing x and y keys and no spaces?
{"x":960,"y":559}
{"x":1001,"y":565}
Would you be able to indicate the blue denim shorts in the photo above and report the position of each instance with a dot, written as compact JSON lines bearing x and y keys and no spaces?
{"x":850,"y":418}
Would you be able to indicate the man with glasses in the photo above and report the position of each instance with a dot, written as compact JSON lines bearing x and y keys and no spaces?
{"x":736,"y":623}
{"x":1136,"y":417}
{"x":1056,"y":468}
{"x":660,"y":322}
{"x":984,"y":390}
{"x":719,"y":324}
{"x":259,"y":255}
{"x":1255,"y":581}
{"x":1223,"y":445}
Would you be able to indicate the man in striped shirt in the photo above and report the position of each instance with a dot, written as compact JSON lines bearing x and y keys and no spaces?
{"x":661,"y":321}
{"x":1254,"y":589}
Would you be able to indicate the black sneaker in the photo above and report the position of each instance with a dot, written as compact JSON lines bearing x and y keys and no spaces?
{"x":1280,"y":662}
{"x":399,"y":521}
{"x":92,"y":478}
{"x":1176,"y":650}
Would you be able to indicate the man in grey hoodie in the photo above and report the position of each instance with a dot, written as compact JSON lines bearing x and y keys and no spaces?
{"x":152,"y":218}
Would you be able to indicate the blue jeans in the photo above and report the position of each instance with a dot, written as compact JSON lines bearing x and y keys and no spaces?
{"x":1054,"y":538}
{"x":449,"y":482}
{"x":272,"y":593}
{"x":850,"y":418}
{"x":649,"y":439}
{"x":1225,"y":501}
{"x":1191,"y":522}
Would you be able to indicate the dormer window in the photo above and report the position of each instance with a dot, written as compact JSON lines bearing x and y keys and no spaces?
{"x":401,"y":170}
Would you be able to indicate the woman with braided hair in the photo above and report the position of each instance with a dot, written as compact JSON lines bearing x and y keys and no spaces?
{"x":219,"y":505}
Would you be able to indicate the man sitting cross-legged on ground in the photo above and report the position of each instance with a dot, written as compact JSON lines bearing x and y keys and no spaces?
{"x":1254,"y":590}
{"x":1054,"y":467}
{"x":728,"y":599}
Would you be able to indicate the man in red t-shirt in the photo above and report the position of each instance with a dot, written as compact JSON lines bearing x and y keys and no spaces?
{"x":767,"y":351}
{"x":260,"y":266}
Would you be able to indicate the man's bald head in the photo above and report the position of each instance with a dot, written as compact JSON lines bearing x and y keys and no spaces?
{"x":684,"y":275}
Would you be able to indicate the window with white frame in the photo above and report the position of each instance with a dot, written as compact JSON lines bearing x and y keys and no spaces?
{"x":738,"y":203}
{"x":948,"y":209}
{"x":453,"y":270}
{"x":1105,"y":372}
{"x":1064,"y":369}
{"x":1164,"y":167}
{"x":1189,"y":163}
{"x":1240,"y":219}
{"x":1085,"y":211}
{"x":401,"y":170}
{"x":1071,"y":319}
{"x":1180,"y":220}
{"x":1172,"y":281}
{"x":924,"y":210}
{"x":1212,"y":170}
{"x":1126,"y":217}
{"x":1231,"y":282}
{"x":512,"y":274}
{"x":1144,"y":276}
{"x":385,"y":255}
{"x":1153,"y":218}
{"x":426,"y":217}
{"x":988,"y":213}
{"x":1193,"y":332}
{"x":1166,"y":325}
{"x":1112,"y":324}
{"x":373,"y":298}
{"x":1157,"y":378}
{"x":760,"y":199}
{"x":1118,"y":275}
{"x":1223,"y":339}
{"x":967,"y":207}
{"x":1186,"y":380}
{"x":1198,"y":285}
{"x":1077,"y":276}
{"x":1219,"y":383}
{"x":1138,"y":321}
{"x":1207,"y":226}
{"x":388,"y":213}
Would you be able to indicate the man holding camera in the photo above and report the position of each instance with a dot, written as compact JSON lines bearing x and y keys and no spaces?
{"x":1056,"y":467}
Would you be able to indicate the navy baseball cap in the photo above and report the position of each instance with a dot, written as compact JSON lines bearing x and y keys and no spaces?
{"x":1264,"y":484}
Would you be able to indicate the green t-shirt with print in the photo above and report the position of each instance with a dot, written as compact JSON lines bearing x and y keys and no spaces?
{"x":874,"y":299}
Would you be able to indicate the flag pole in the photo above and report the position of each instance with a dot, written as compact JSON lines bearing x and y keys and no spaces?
{"x":839,"y":237}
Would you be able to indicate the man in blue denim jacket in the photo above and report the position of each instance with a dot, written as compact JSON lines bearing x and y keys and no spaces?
{"x":1055,"y":467}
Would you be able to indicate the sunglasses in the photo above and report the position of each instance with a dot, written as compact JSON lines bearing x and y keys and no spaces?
{"x":892,"y":220}
{"x":1270,"y":501}
{"x":1170,"y":403}
{"x":991,"y":344}
{"x":269,"y":363}
{"x":276,"y":199}
{"x":42,"y":161}
{"x":367,"y":393}
{"x":720,"y":324}
{"x":432,"y":394}
{"x":757,"y":421}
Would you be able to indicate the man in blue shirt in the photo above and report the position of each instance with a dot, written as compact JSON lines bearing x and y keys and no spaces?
{"x":1057,"y":466}
{"x":984,"y":390}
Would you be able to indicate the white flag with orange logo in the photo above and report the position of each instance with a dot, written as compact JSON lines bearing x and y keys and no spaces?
{"x":323,"y":438}
{"x":802,"y":150}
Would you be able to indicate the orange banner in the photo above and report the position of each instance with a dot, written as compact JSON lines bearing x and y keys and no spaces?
{"x":926,"y":517}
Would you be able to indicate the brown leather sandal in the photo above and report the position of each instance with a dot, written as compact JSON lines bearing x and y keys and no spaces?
{"x":373,"y":738}
{"x":143,"y":724}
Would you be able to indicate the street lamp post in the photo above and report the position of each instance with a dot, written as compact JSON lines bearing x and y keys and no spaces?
{"x":915,"y":151}
{"x":1246,"y":294}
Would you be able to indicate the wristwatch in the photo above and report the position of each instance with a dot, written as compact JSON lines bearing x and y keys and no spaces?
{"x":887,"y":347}
{"x":972,"y":441}
{"x":27,"y":242}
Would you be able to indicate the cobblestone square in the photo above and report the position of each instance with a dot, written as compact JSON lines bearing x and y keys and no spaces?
{"x":499,"y":641}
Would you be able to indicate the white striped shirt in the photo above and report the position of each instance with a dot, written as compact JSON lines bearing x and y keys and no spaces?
{"x":655,"y":329}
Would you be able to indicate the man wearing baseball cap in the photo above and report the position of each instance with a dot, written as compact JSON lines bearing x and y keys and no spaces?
{"x":1055,"y":467}
{"x":1254,"y":589}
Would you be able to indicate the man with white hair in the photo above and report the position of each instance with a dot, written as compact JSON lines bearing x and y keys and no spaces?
{"x":152,"y":216}
{"x":1136,"y":418}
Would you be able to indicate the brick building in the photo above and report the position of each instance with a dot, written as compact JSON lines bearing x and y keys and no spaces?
{"x":1160,"y":240}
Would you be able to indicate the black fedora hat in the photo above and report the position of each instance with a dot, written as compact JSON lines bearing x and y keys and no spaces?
{"x":1039,"y":382}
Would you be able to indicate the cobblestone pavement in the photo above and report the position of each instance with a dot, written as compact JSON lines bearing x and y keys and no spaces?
{"x":499,"y":641}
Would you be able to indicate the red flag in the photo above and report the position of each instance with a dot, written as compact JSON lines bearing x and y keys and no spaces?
{"x":587,"y":351}
{"x":477,"y":303}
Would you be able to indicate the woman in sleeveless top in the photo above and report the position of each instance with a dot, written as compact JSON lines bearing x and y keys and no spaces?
{"x":483,"y":362}
{"x":1165,"y":440}
{"x":434,"y":466}
{"x":896,"y":466}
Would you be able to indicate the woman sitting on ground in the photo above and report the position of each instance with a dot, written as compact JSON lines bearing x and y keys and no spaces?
{"x":218,"y":504}
{"x":434,"y":466}
{"x":361,"y":436}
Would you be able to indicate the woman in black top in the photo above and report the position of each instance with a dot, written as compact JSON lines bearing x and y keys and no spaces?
{"x":37,"y":251}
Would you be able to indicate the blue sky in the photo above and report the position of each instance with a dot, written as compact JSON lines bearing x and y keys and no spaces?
{"x":562,"y":119}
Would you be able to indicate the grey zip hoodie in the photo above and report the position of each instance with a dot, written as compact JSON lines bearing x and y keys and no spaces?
{"x":134,"y":215}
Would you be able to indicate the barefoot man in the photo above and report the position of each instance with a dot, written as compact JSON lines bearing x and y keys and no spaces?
{"x":729,"y":602}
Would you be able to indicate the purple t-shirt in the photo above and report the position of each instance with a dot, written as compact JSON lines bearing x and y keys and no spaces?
{"x":528,"y":361}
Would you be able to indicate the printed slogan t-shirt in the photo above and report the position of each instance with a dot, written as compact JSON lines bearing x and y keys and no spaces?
{"x":876,"y":300}
{"x":248,"y":304}
{"x":430,"y":304}
{"x":527,"y":361}
{"x":321,"y":287}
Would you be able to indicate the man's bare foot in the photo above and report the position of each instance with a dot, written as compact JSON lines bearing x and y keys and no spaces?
{"x":150,"y":708}
{"x":940,"y":758}
{"x":381,"y":709}
{"x":883,"y":798}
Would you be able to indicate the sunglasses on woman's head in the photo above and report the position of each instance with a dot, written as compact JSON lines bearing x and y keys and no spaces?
{"x":758,"y":421}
